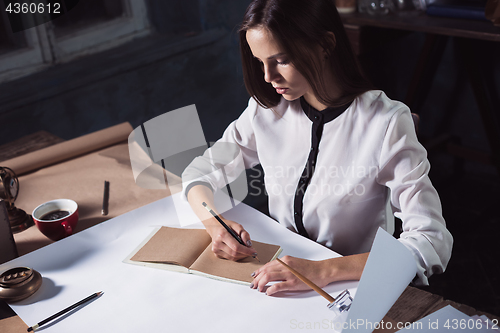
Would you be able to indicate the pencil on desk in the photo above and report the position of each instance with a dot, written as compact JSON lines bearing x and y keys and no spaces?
{"x":231,"y":231}
{"x":60,"y":313}
{"x":105,"y":199}
{"x":308,"y":282}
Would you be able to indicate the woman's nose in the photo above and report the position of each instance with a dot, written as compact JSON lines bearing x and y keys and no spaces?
{"x":270,"y":74}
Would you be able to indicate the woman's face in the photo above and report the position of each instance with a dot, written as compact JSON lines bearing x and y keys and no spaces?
{"x":277,"y":68}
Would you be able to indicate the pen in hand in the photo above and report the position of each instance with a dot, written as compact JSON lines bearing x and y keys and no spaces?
{"x":231,"y":231}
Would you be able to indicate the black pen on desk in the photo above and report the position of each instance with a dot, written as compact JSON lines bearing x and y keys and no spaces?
{"x":231,"y":231}
{"x":105,"y":199}
{"x":60,"y":313}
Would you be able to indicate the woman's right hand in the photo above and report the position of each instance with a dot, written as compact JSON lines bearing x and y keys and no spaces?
{"x":225,"y":246}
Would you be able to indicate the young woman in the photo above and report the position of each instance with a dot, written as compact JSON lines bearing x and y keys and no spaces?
{"x":334,"y":152}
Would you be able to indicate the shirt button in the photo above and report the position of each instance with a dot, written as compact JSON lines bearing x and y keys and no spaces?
{"x":316,"y":117}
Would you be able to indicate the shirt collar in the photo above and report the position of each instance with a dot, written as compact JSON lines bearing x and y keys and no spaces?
{"x":326,"y":115}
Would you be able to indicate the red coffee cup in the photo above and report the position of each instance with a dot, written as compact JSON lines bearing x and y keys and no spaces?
{"x":56,"y":219}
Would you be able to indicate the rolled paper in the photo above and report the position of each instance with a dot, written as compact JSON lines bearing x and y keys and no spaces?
{"x":69,"y":149}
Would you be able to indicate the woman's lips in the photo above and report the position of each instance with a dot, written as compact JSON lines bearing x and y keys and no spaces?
{"x":281,"y":90}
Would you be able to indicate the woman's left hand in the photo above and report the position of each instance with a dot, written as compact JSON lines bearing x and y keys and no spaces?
{"x":274,"y":271}
{"x":321,"y":273}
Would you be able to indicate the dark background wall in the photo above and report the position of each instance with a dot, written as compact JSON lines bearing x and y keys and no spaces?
{"x":469,"y":190}
{"x":450,"y":105}
{"x":192,"y":57}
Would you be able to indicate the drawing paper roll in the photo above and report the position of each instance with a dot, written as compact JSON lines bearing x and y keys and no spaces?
{"x":69,"y":149}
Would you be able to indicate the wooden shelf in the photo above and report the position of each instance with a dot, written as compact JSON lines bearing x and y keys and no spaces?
{"x":484,"y":30}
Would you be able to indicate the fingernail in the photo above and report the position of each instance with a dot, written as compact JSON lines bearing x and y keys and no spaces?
{"x":249,"y":243}
{"x":255,"y":254}
{"x":253,"y":274}
{"x":251,"y":285}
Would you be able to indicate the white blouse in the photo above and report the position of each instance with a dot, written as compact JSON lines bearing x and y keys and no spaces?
{"x":335,"y":171}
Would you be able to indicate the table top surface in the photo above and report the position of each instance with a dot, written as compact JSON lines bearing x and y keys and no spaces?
{"x":411,"y":306}
{"x":475,"y":29}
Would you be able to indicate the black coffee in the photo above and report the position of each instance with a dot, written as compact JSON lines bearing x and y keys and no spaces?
{"x":54,"y":215}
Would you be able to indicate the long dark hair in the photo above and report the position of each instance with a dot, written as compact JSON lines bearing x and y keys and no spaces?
{"x":299,"y":26}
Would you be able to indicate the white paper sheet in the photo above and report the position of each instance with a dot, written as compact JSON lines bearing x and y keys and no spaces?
{"x":388,"y":271}
{"x":141,"y":299}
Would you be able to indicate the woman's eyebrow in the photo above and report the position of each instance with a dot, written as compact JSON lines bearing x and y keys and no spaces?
{"x":276,"y":55}
{"x":273,"y":56}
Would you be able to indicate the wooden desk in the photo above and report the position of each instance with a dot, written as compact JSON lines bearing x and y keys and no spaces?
{"x":468,"y":33}
{"x":27,"y":144}
{"x":119,"y":163}
{"x":412,"y":305}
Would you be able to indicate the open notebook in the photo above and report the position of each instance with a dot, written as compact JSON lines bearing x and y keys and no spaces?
{"x":190,"y":251}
